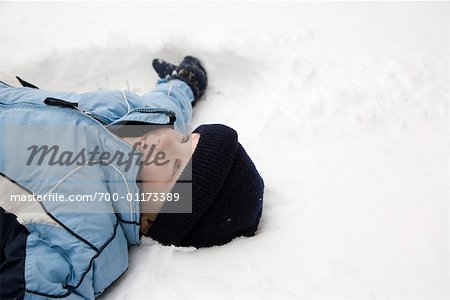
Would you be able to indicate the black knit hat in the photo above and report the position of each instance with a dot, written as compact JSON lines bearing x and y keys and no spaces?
{"x":227,"y":193}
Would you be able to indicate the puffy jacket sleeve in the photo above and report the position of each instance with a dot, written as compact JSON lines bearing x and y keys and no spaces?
{"x":175,"y":95}
{"x":168,"y":99}
{"x":50,"y":269}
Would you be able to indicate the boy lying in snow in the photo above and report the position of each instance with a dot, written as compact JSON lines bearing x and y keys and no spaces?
{"x":56,"y":146}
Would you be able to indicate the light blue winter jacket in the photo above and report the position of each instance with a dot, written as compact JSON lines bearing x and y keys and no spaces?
{"x":87,"y":249}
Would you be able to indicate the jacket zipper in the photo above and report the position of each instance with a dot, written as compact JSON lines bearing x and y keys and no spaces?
{"x":74,"y":105}
{"x":153,"y":110}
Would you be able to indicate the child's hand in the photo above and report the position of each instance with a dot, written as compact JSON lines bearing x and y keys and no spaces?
{"x":190,"y":70}
{"x":163,"y":68}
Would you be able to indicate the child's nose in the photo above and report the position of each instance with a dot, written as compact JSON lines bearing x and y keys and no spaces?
{"x":165,"y":143}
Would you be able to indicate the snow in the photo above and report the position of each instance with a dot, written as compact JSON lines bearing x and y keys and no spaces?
{"x":343,"y":107}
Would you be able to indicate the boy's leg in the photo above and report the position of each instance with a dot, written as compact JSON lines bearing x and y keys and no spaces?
{"x":13,"y":244}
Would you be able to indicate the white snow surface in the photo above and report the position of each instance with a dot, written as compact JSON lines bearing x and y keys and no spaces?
{"x":344,"y":108}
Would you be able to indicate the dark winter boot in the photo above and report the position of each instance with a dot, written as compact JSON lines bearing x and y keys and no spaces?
{"x":189,"y":70}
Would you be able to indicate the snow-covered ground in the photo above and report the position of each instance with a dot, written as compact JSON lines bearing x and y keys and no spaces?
{"x":344,"y":108}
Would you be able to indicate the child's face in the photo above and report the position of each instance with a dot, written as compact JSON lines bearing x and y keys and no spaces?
{"x":165,"y":152}
{"x":160,"y":175}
